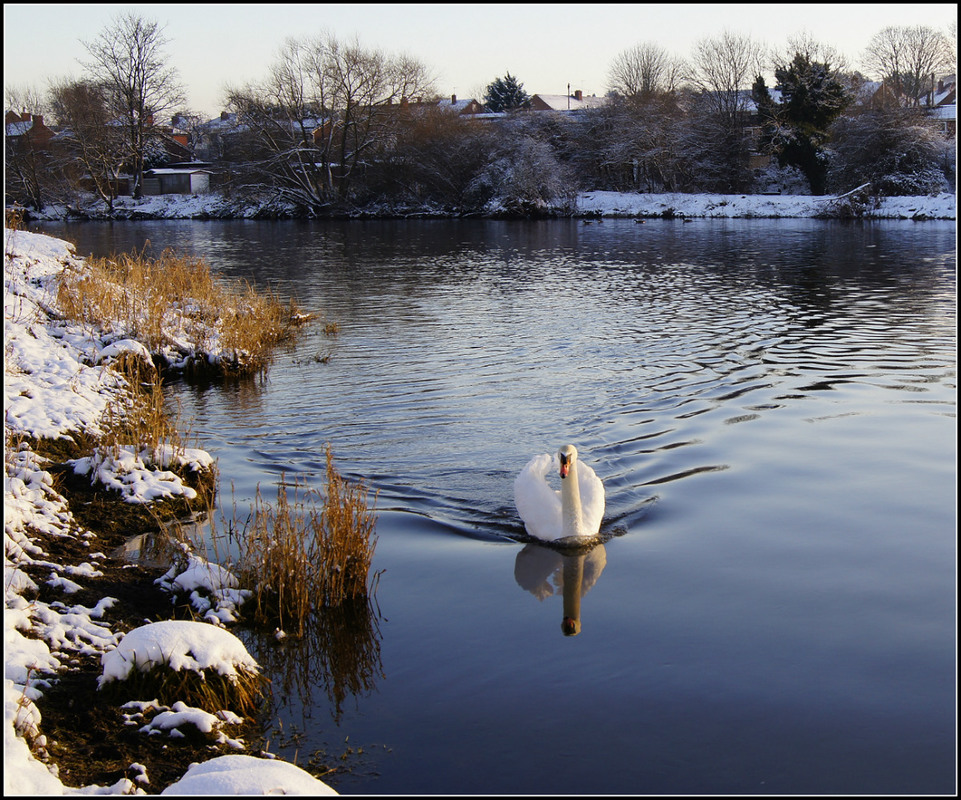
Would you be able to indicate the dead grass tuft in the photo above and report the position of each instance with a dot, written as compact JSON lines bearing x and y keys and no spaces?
{"x":308,"y":550}
{"x":207,"y":689}
{"x":175,"y":307}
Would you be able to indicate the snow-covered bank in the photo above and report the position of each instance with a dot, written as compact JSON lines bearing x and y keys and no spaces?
{"x":616,"y":204}
{"x":57,"y":381}
{"x":605,"y":204}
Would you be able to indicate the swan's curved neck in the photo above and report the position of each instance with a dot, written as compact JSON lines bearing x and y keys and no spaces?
{"x":571,"y":503}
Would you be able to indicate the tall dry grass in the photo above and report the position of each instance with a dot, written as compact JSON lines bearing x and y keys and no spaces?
{"x":308,"y":550}
{"x":137,"y":417}
{"x":174,"y":305}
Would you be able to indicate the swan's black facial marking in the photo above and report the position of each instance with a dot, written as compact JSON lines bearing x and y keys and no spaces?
{"x":565,"y":464}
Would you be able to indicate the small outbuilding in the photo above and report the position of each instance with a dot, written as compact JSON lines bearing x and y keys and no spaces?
{"x":176,"y":180}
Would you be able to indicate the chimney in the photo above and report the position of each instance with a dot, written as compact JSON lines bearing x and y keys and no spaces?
{"x":38,"y":120}
{"x":578,"y":95}
{"x":453,"y":99}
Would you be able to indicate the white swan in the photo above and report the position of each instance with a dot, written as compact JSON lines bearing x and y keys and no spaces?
{"x":572,"y":514}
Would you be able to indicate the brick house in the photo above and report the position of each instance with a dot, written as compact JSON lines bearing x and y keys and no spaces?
{"x":30,"y":126}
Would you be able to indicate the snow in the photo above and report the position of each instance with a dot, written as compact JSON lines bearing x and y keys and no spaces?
{"x":606,"y":204}
{"x":56,"y":381}
{"x":245,"y":775}
{"x":617,"y":204}
{"x":182,"y":645}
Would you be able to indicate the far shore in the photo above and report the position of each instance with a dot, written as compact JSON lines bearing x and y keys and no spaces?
{"x":587,"y":206}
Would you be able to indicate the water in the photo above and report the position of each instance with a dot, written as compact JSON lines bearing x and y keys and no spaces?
{"x":771,"y":405}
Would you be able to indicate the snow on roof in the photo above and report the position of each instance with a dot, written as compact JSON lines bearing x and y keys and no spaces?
{"x":18,"y":128}
{"x":949,"y":111}
{"x":176,"y":171}
{"x":563,"y":102}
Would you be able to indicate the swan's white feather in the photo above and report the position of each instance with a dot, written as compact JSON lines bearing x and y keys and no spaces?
{"x":539,"y":505}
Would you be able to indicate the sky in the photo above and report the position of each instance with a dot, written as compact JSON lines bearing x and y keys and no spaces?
{"x":548,"y":47}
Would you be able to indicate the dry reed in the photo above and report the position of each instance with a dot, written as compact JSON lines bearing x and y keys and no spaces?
{"x":175,"y":307}
{"x":308,"y":550}
{"x":137,"y":417}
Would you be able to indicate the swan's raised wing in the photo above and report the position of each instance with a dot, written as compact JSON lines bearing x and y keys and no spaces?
{"x":592,"y":497}
{"x":538,"y":504}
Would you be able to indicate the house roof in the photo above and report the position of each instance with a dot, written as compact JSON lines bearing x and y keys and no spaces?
{"x":18,"y":128}
{"x":176,"y":171}
{"x":947,"y":111}
{"x":564,"y":102}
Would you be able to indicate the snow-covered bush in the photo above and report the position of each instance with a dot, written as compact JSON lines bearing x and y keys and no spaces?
{"x":526,"y":178}
{"x":898,"y":151}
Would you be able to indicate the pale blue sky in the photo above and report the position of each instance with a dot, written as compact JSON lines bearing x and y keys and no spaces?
{"x":466,"y":45}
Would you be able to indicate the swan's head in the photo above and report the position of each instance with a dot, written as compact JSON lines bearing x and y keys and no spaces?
{"x":567,"y":455}
{"x":571,"y":626}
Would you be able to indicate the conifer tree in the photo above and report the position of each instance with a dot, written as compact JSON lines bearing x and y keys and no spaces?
{"x":505,"y":94}
{"x":796,"y":129}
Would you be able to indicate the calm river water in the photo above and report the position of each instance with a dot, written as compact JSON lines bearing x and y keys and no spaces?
{"x":771,"y":405}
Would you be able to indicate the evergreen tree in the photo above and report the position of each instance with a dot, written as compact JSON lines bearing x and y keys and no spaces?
{"x":796,"y":129}
{"x":505,"y":94}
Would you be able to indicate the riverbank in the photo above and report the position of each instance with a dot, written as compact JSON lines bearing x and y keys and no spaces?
{"x":70,"y":594}
{"x":589,"y":205}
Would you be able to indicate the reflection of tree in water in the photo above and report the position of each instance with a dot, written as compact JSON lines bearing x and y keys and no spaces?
{"x":340,"y":650}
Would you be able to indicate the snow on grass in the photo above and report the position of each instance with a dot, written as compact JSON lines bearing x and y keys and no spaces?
{"x":180,"y":645}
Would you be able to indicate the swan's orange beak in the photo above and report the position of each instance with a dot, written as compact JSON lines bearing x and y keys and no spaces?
{"x":565,"y":467}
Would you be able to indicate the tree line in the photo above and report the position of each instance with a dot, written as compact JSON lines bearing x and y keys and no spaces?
{"x":335,"y":125}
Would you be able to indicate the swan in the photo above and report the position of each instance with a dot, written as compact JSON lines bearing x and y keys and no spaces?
{"x":571,"y":515}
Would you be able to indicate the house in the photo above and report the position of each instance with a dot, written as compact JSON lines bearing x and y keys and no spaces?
{"x":942,"y":104}
{"x":27,"y":127}
{"x":176,"y":180}
{"x":463,"y":108}
{"x":566,"y":102}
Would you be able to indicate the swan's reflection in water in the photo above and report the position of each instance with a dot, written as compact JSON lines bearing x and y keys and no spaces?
{"x":546,"y":572}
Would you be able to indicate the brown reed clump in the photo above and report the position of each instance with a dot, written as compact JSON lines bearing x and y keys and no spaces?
{"x":173,"y":300}
{"x":308,"y":551}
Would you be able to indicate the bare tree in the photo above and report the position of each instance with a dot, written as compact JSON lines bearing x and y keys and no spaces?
{"x":722,"y":71}
{"x":643,"y":70}
{"x":907,"y":57}
{"x":127,"y":59}
{"x":722,"y":67}
{"x":811,"y":49}
{"x":26,"y":156}
{"x":90,"y":146}
{"x":324,"y":108}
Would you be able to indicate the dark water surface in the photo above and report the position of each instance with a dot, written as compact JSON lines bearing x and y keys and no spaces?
{"x":772,"y":408}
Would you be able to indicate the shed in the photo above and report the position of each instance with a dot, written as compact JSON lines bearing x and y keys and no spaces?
{"x":176,"y":180}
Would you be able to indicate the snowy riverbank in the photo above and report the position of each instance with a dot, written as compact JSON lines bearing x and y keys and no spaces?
{"x":589,"y":204}
{"x":57,"y":381}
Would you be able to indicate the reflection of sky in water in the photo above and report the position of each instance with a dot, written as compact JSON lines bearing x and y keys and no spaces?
{"x":781,"y":619}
